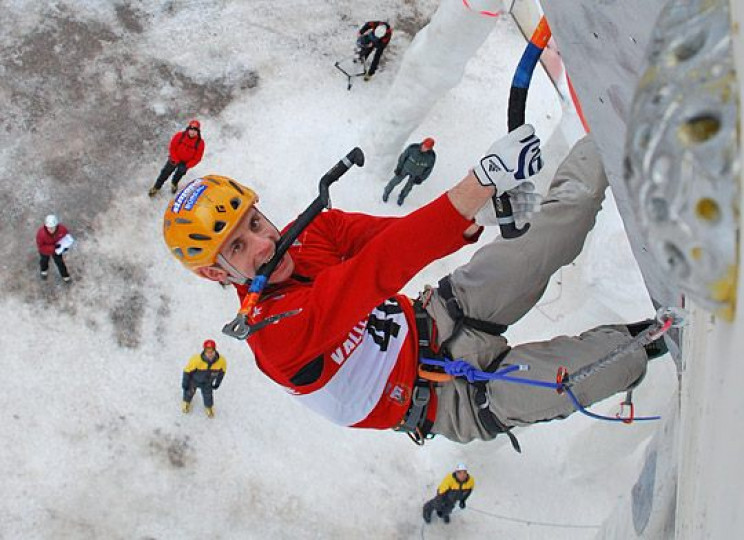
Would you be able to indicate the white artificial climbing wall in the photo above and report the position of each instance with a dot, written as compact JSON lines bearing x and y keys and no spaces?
{"x":690,"y":486}
{"x":711,"y":499}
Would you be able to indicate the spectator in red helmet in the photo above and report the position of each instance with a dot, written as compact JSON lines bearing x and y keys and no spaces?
{"x":204,"y":371}
{"x":53,"y":240}
{"x":185,"y":152}
{"x":373,"y":36}
{"x":416,"y":163}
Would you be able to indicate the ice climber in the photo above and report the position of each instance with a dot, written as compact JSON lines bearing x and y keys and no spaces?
{"x":352,"y":351}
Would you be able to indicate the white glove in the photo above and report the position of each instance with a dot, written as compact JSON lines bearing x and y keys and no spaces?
{"x":510,"y":160}
{"x":524,"y":200}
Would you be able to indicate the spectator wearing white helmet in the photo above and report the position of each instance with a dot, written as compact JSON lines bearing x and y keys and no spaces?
{"x":52,"y":240}
{"x":455,"y":488}
{"x":373,"y":36}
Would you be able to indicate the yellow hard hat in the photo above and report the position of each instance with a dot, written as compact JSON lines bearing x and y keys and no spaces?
{"x":199,"y":219}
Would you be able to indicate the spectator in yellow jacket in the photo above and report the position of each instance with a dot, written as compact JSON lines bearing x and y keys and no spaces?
{"x":204,"y":371}
{"x":455,"y":488}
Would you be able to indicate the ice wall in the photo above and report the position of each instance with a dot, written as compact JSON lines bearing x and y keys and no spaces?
{"x":690,"y":485}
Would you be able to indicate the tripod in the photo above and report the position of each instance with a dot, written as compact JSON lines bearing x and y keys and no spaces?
{"x":351,"y":65}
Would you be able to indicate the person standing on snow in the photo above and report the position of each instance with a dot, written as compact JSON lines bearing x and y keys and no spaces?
{"x":52,"y":240}
{"x":373,"y":36}
{"x":204,"y":371}
{"x":416,"y":162}
{"x":455,"y":488}
{"x":185,"y":152}
{"x":352,"y":348}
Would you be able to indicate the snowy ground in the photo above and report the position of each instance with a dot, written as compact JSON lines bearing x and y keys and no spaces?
{"x":93,"y":441}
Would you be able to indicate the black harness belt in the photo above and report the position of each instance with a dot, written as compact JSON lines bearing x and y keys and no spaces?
{"x":490,"y":421}
{"x":415,"y":422}
{"x":457,"y":314}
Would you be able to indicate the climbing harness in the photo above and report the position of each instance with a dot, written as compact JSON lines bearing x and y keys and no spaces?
{"x":415,"y":422}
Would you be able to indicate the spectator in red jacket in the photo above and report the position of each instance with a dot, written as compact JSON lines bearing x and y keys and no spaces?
{"x":185,"y":151}
{"x":49,"y":242}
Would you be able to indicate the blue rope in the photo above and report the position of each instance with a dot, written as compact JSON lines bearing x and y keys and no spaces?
{"x":461,"y":368}
{"x":582,"y":409}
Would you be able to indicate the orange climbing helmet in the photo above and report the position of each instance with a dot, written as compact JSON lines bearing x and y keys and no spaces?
{"x":195,"y":124}
{"x":427,"y":143}
{"x":199,"y":219}
{"x":209,"y":344}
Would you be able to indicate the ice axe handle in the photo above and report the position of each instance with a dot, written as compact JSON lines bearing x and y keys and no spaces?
{"x":501,"y":203}
{"x":505,"y":216}
{"x":323,"y":200}
{"x":355,"y":157}
{"x":240,"y":327}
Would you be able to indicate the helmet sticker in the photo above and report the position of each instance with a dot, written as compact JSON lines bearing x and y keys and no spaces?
{"x":188,"y":197}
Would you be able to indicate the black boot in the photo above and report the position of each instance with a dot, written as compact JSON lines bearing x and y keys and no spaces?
{"x":654,"y":349}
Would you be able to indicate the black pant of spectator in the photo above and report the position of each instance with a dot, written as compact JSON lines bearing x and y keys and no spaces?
{"x":206,"y":390}
{"x":442,"y":504}
{"x":44,"y":264}
{"x":364,"y":53}
{"x":166,"y":171}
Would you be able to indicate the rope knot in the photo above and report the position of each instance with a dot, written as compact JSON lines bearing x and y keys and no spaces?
{"x":460,"y":368}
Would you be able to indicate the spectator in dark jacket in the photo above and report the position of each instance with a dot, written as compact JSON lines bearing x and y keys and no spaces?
{"x":455,"y":488}
{"x":373,"y":36}
{"x":204,"y":371}
{"x":416,"y":162}
{"x":52,"y":240}
{"x":185,"y":152}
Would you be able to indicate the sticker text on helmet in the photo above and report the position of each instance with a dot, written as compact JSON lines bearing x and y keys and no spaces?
{"x":188,"y":197}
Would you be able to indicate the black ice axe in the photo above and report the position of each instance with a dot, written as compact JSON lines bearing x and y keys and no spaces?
{"x":516,"y":113}
{"x":241,"y":326}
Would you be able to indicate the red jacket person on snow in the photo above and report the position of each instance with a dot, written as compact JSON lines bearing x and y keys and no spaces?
{"x":52,"y":240}
{"x":352,"y":350}
{"x":185,"y":151}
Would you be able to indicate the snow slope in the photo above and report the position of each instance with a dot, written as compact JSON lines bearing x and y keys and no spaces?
{"x":94,"y":443}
